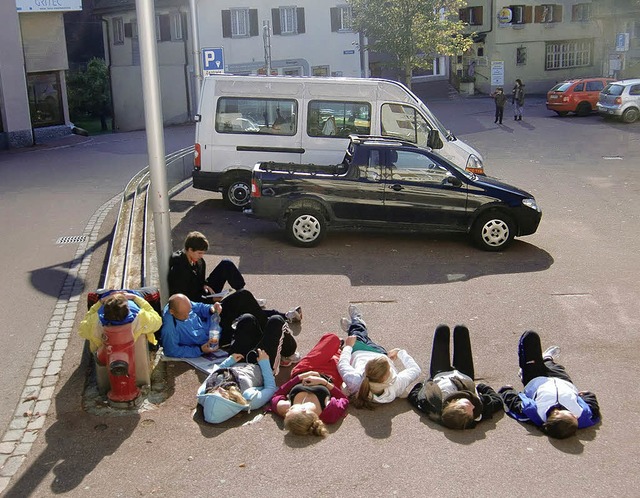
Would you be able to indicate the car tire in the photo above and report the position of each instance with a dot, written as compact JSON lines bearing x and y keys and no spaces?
{"x":561,"y":113}
{"x":237,"y":194}
{"x":306,"y":227}
{"x":493,"y":231}
{"x":583,"y":109}
{"x":630,"y":115}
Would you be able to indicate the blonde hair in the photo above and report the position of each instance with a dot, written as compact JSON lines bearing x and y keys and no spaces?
{"x":376,"y":371}
{"x":456,"y":417}
{"x":305,"y":424}
{"x":231,"y":393}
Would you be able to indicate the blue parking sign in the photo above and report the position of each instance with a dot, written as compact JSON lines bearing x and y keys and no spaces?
{"x":212,"y":61}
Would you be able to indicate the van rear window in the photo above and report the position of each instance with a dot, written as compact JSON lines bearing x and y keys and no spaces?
{"x":256,"y":116}
{"x":328,"y":118}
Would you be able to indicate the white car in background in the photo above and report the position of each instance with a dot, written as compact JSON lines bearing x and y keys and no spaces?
{"x":621,"y":99}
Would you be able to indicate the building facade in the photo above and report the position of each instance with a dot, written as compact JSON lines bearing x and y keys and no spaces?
{"x":538,"y":42}
{"x":33,"y":61}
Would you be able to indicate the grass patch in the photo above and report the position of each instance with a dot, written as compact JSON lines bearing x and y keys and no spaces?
{"x":92,"y":125}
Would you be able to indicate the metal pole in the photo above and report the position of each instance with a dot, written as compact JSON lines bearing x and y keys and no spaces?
{"x":155,"y":139}
{"x":195,"y":40}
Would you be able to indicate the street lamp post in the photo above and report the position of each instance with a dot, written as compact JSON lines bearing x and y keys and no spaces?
{"x":195,"y":40}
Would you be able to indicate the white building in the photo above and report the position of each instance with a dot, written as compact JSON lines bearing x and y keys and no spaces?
{"x":310,"y":37}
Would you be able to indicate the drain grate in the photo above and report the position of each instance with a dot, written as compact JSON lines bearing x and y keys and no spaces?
{"x":71,"y":239}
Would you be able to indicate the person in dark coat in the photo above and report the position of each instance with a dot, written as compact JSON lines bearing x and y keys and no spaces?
{"x":450,"y":396}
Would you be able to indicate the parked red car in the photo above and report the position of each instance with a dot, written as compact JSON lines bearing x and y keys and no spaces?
{"x":579,"y":95}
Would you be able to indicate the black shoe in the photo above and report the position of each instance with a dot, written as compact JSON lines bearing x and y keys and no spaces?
{"x":515,"y":118}
{"x":500,"y":122}
{"x":519,"y":118}
{"x":496,"y":121}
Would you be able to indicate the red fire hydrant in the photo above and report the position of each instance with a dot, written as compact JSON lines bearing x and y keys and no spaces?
{"x":118,"y":354}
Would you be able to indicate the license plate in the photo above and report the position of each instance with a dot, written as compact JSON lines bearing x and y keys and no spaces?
{"x":554,"y":96}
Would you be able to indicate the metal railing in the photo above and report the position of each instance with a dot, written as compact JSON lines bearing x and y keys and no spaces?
{"x":128,"y":265}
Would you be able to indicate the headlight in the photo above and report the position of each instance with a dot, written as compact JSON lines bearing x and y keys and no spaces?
{"x":474,"y":165}
{"x":531,"y":203}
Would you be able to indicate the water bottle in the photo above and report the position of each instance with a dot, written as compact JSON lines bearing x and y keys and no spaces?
{"x":214,"y":329}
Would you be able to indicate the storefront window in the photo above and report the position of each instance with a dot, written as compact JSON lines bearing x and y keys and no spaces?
{"x":45,"y":101}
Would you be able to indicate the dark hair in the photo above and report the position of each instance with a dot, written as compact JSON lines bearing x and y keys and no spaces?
{"x":196,"y":241}
{"x":116,"y":308}
{"x":560,"y":424}
{"x":519,"y":81}
{"x":456,"y":417}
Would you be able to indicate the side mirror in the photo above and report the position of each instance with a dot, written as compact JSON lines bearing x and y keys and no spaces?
{"x":433,"y":140}
{"x":452,"y":180}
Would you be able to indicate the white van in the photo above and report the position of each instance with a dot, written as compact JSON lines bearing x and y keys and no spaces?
{"x":243,"y":120}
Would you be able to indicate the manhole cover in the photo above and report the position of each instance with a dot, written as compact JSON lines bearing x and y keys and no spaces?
{"x":71,"y":239}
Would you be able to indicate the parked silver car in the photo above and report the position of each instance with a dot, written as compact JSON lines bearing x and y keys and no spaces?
{"x":621,"y":99}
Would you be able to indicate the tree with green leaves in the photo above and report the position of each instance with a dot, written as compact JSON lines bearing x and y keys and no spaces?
{"x":88,"y":92}
{"x":412,"y":31}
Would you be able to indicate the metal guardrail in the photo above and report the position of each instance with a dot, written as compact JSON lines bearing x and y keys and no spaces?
{"x":128,"y":265}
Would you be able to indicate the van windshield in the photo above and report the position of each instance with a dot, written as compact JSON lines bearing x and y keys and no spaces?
{"x":435,"y":121}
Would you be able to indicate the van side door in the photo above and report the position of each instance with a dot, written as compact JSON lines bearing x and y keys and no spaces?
{"x":420,"y":189}
{"x":405,"y":122}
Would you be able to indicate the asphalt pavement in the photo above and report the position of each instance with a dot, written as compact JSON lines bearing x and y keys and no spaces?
{"x":574,"y":281}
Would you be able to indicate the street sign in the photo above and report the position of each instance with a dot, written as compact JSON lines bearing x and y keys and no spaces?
{"x":212,"y":61}
{"x":497,"y":73}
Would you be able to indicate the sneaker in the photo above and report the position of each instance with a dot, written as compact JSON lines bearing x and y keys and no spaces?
{"x":356,"y":315}
{"x":287,"y":361}
{"x":345,"y":323}
{"x":261,"y":302}
{"x":551,"y":353}
{"x":294,"y":315}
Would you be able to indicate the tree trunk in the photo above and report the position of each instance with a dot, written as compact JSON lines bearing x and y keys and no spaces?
{"x":408,"y":73}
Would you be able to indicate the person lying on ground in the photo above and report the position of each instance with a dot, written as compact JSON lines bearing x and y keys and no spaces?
{"x":186,"y":326}
{"x":235,"y":386}
{"x":368,"y":370}
{"x":450,"y":395}
{"x":312,"y":397}
{"x":550,"y":400}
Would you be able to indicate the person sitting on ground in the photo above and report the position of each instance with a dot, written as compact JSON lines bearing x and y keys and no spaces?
{"x":312,"y":397}
{"x":550,"y":399}
{"x":450,"y":396}
{"x":187,"y":270}
{"x":118,"y":308}
{"x":236,"y":386}
{"x":368,"y":370}
{"x":186,"y":325}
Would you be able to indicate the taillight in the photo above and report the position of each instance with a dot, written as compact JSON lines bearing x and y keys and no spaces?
{"x":196,"y":157}
{"x":618,"y":101}
{"x":255,"y":188}
{"x":565,"y":99}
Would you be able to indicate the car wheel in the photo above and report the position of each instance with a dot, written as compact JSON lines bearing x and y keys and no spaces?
{"x":306,"y":227}
{"x":561,"y":113}
{"x":630,"y":115}
{"x":493,"y":231}
{"x":583,"y":109}
{"x":237,"y":194}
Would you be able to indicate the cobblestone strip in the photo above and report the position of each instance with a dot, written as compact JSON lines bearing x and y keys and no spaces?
{"x":38,"y":393}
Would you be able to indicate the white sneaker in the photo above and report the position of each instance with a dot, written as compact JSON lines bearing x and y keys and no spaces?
{"x":294,"y":315}
{"x":287,"y":361}
{"x":356,"y":315}
{"x":345,"y":323}
{"x":551,"y":353}
{"x":261,"y":302}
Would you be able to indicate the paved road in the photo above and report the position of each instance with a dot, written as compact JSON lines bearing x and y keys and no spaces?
{"x":48,"y":192}
{"x":575,"y":282}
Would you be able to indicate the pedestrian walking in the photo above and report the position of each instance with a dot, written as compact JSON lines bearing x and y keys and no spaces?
{"x":517,"y":99}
